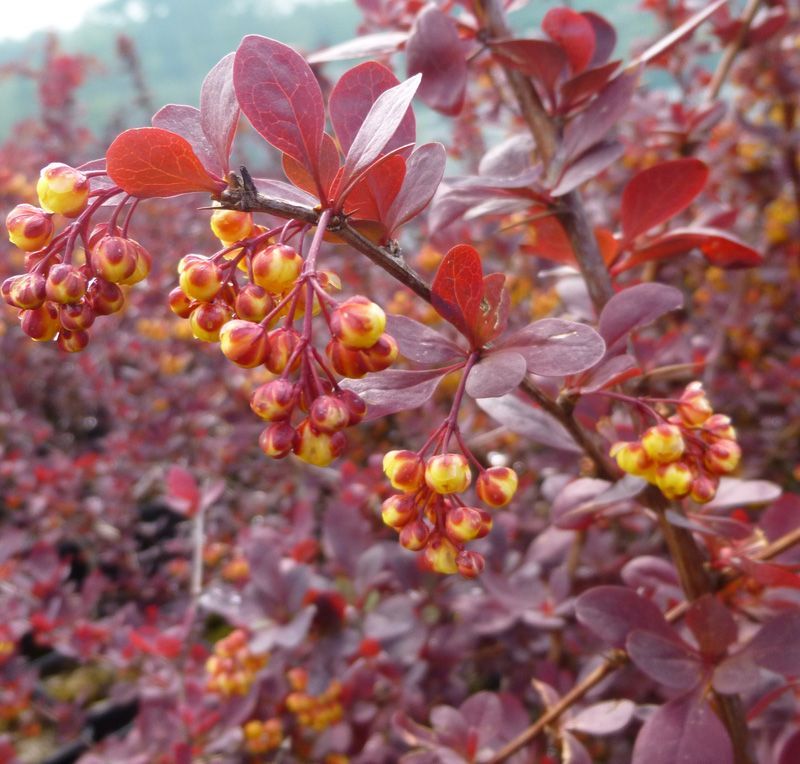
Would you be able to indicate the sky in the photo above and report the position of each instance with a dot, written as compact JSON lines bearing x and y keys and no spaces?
{"x":19,"y":19}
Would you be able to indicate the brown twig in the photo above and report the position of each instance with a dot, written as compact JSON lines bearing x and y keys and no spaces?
{"x":731,"y":50}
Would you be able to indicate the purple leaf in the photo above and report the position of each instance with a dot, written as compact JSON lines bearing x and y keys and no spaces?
{"x":366,"y":46}
{"x":496,"y":374}
{"x":633,"y":308}
{"x":573,"y":751}
{"x":592,"y":124}
{"x":483,"y":712}
{"x":284,"y":192}
{"x":553,"y":347}
{"x":580,"y":500}
{"x":712,"y":625}
{"x":289,"y":635}
{"x":789,"y":750}
{"x":186,"y":122}
{"x":733,"y":492}
{"x":610,"y":372}
{"x":587,"y":166}
{"x":424,"y":172}
{"x":587,"y":83}
{"x":382,"y":121}
{"x":421,"y":344}
{"x":605,"y":38}
{"x":665,"y":659}
{"x":776,"y":646}
{"x":435,"y":51}
{"x":735,"y":674}
{"x":530,"y":422}
{"x":394,"y":390}
{"x":353,"y":96}
{"x":684,"y":730}
{"x":219,"y":109}
{"x":450,"y":727}
{"x":542,"y":60}
{"x":604,"y":718}
{"x":611,"y":612}
{"x":279,"y":94}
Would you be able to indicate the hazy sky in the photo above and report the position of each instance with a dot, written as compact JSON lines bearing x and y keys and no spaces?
{"x":19,"y":19}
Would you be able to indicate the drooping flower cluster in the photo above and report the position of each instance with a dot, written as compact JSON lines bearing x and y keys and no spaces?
{"x":685,"y":455}
{"x":430,"y":517}
{"x":232,"y":668}
{"x":262,"y":736}
{"x":313,"y":712}
{"x":76,"y":275}
{"x":254,"y":325}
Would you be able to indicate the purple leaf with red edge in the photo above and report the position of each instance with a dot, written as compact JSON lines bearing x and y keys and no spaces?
{"x":542,"y":60}
{"x":660,"y":192}
{"x":328,"y":171}
{"x":496,"y":374}
{"x":586,"y":84}
{"x":353,"y":96}
{"x":612,"y":612}
{"x":279,"y":94}
{"x":424,"y":172}
{"x":592,"y":124}
{"x":573,"y":32}
{"x":183,"y":493}
{"x":421,"y":344}
{"x":277,"y":189}
{"x":685,"y":29}
{"x":683,"y":730}
{"x":379,"y":126}
{"x":605,"y":37}
{"x":364,"y":46}
{"x":522,"y":418}
{"x":186,"y":122}
{"x":664,"y":659}
{"x":494,"y":309}
{"x":604,"y":718}
{"x":587,"y":166}
{"x":634,"y":308}
{"x":553,"y":347}
{"x":394,"y":390}
{"x":712,"y":625}
{"x":219,"y":109}
{"x":457,"y":289}
{"x":435,"y":51}
{"x":149,"y":162}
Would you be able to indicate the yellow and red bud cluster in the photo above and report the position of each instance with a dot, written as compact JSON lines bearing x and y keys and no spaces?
{"x":262,"y":737}
{"x":359,"y":344}
{"x":685,"y":455}
{"x":66,"y":288}
{"x":313,"y":712}
{"x":232,"y":668}
{"x":427,"y":515}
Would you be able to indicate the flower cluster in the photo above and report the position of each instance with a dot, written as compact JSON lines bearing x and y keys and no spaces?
{"x":76,"y":275}
{"x":254,"y":325}
{"x":232,"y":668}
{"x":262,"y":737}
{"x":684,"y":455}
{"x":314,"y":712}
{"x":429,"y":516}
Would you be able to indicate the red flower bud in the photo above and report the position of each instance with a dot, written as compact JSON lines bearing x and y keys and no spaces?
{"x":405,"y":470}
{"x":398,"y":510}
{"x":29,"y":228}
{"x":277,"y":267}
{"x":253,"y":303}
{"x":41,"y":324}
{"x":180,"y":303}
{"x":278,"y":440}
{"x":244,"y":343}
{"x":382,"y":354}
{"x":201,"y":279}
{"x":207,"y":320}
{"x":104,"y":297}
{"x":358,"y":322}
{"x":470,"y":564}
{"x":414,"y":535}
{"x":113,"y":259}
{"x":62,"y":189}
{"x":496,"y":486}
{"x":274,"y":400}
{"x":328,"y":414}
{"x":25,"y":292}
{"x":72,"y":342}
{"x":448,"y":473}
{"x":65,"y":284}
{"x":282,"y":344}
{"x":76,"y":317}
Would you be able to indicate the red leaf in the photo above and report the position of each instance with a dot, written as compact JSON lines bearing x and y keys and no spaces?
{"x":183,"y":494}
{"x":435,"y":50}
{"x":149,"y":162}
{"x":353,"y":96}
{"x":373,"y":195}
{"x":660,"y":192}
{"x":573,"y":32}
{"x":185,"y":121}
{"x":279,"y":94}
{"x":219,"y":109}
{"x":495,"y":305}
{"x":605,"y":37}
{"x":458,"y":289}
{"x":550,"y":241}
{"x":328,"y":169}
{"x":540,"y":59}
{"x":586,"y":84}
{"x":365,"y":46}
{"x":719,"y":247}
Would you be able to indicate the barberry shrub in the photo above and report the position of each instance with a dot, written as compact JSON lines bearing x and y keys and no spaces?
{"x":578,"y":433}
